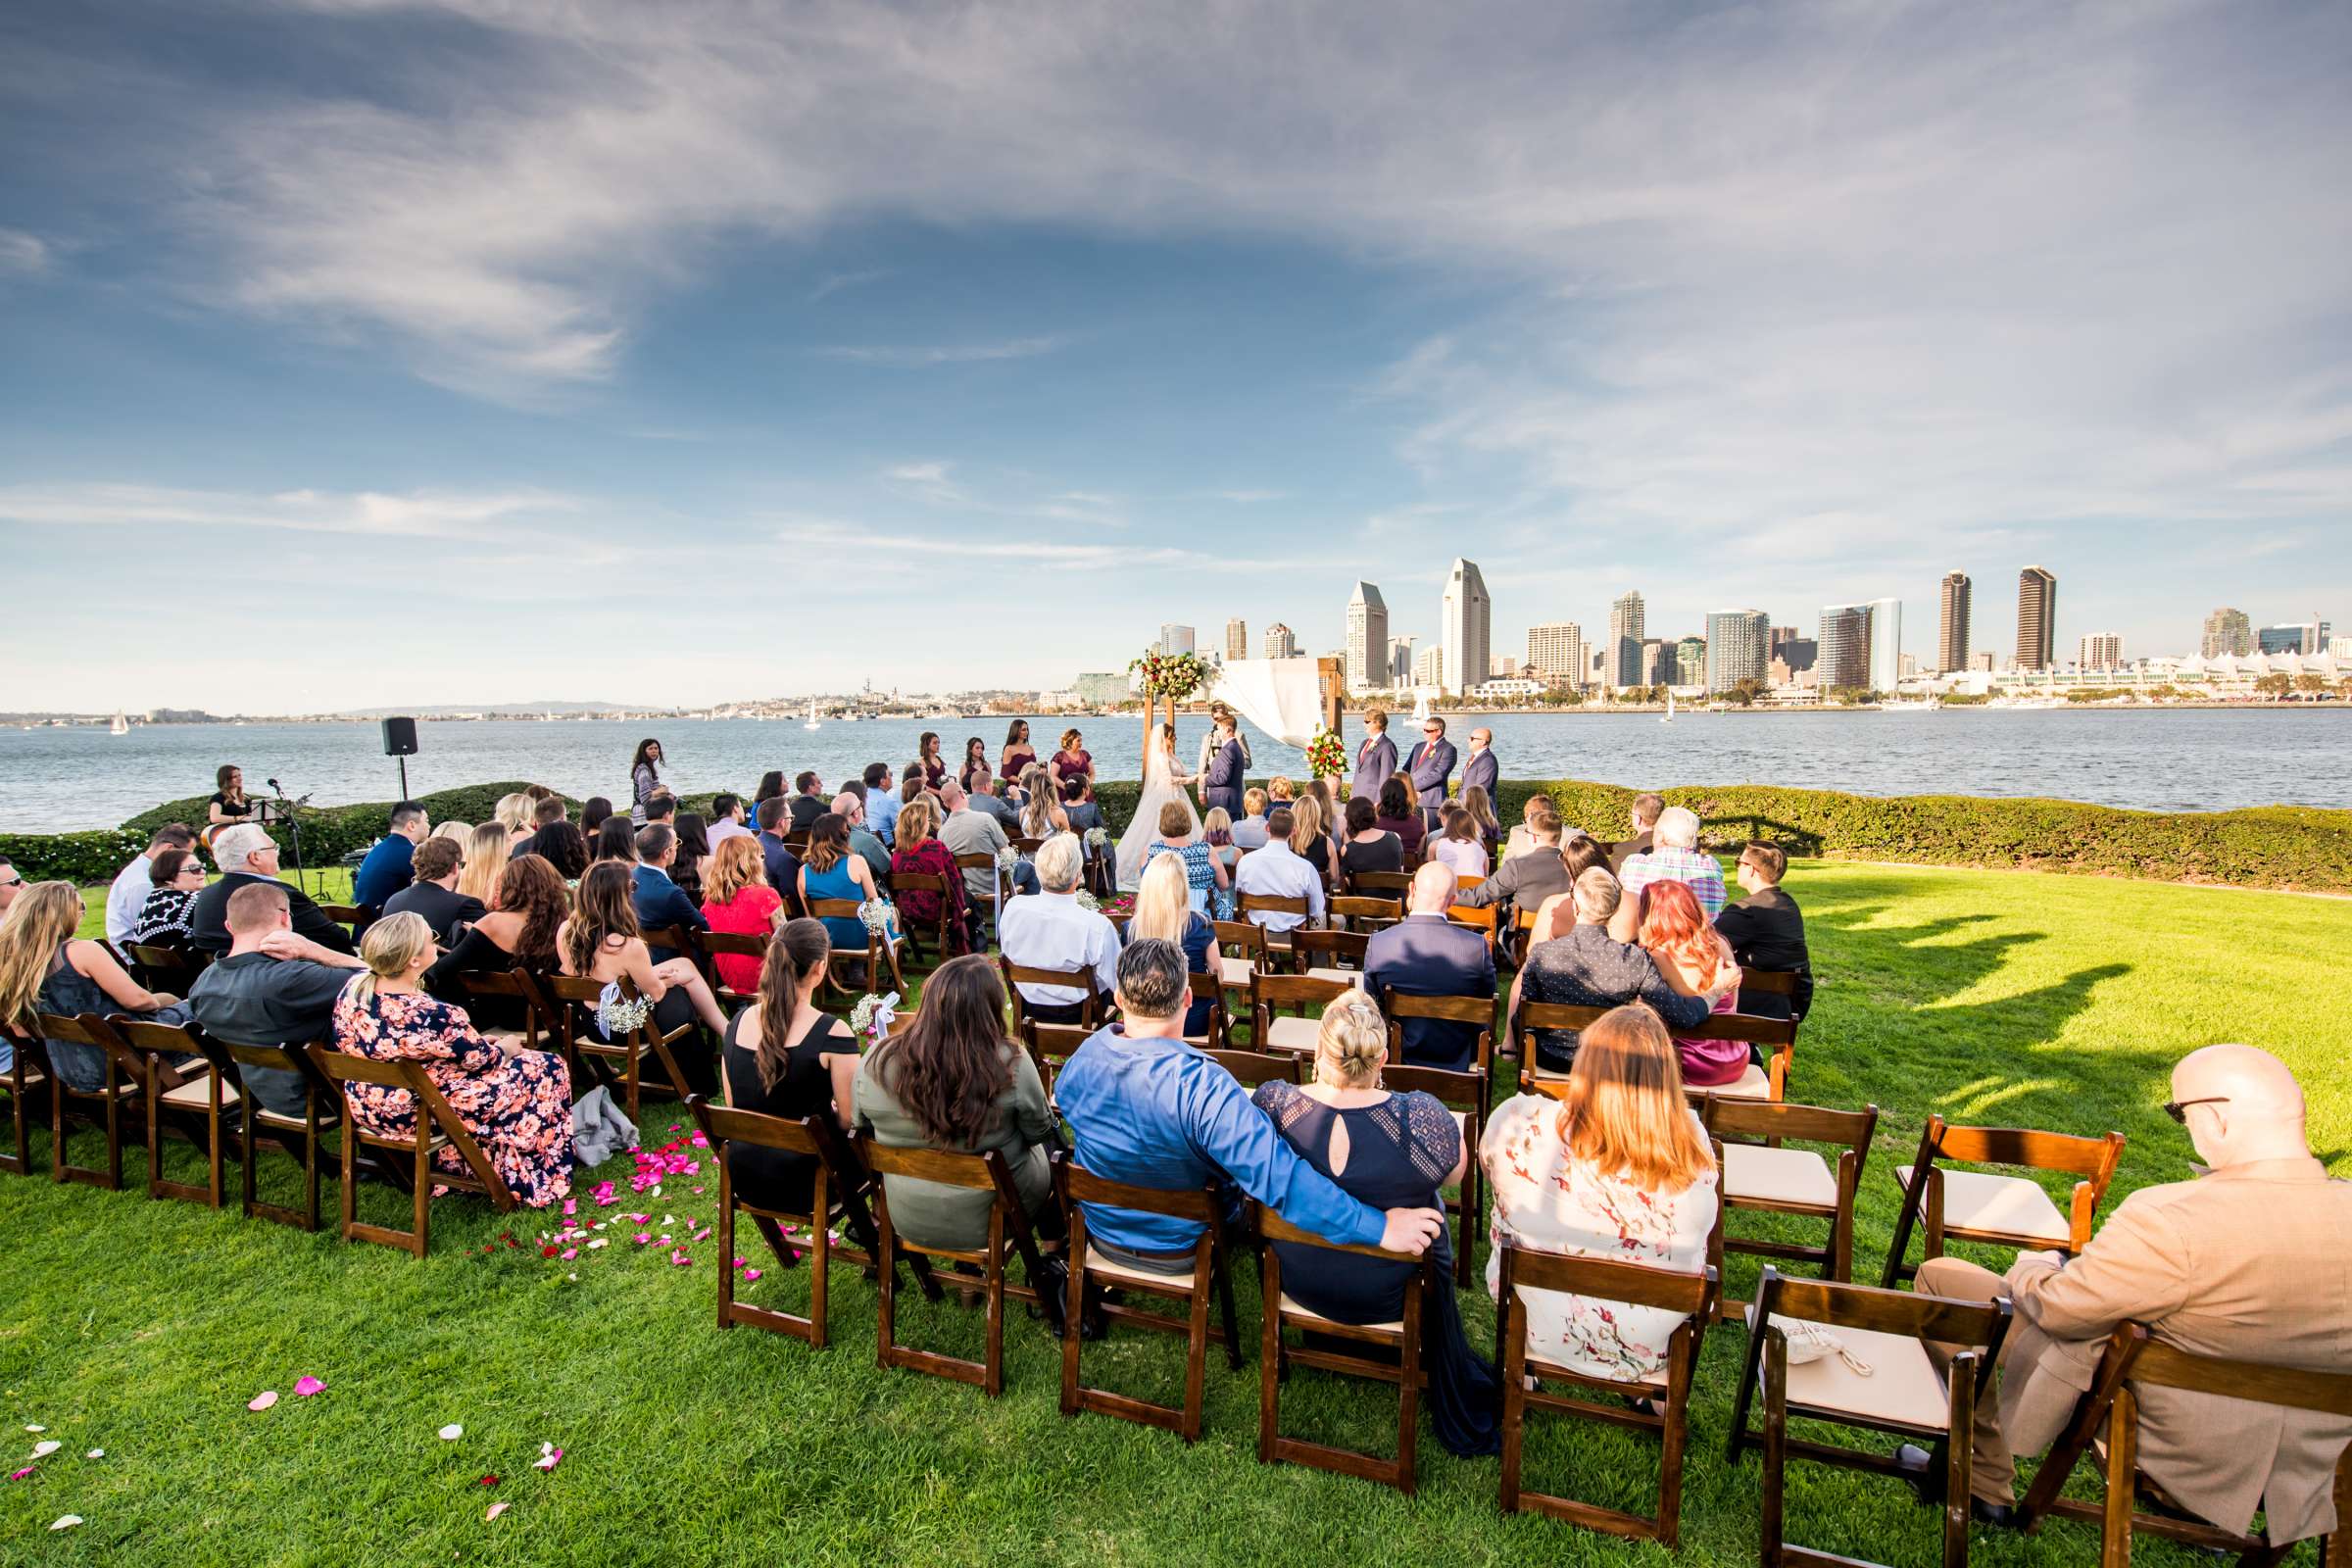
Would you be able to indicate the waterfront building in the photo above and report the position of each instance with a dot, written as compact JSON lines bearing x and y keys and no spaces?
{"x":2227,"y":632}
{"x":1981,"y":662}
{"x":1556,"y":649}
{"x":1844,"y":660}
{"x":1237,"y":638}
{"x":1886,"y":644}
{"x":1281,"y":642}
{"x":2340,"y":649}
{"x":1466,"y":624}
{"x":1103,"y":689}
{"x":1508,"y":688}
{"x":1367,"y":656}
{"x":1910,"y":670}
{"x":2100,"y":650}
{"x":1738,"y":647}
{"x":2037,"y":618}
{"x":1951,"y":622}
{"x":1624,"y":652}
{"x":2293,"y":637}
{"x":1793,"y":661}
{"x":1401,"y":660}
{"x":1175,"y":639}
{"x":1429,"y":667}
{"x":1690,"y":661}
{"x":1657,"y":661}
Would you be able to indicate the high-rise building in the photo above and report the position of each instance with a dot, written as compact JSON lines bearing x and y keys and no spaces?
{"x":1502,"y":667}
{"x":1657,"y":661}
{"x":1557,"y":651}
{"x":1401,"y":660}
{"x":1785,"y":634}
{"x":2100,"y":650}
{"x":1237,"y":638}
{"x":1886,"y":644}
{"x":1624,"y":652}
{"x":1843,"y":659}
{"x":1910,"y":670}
{"x":1281,"y":642}
{"x":1738,"y":647}
{"x":1793,"y":661}
{"x":1468,"y":618}
{"x":1175,"y":639}
{"x":2227,"y":632}
{"x":1102,"y":689}
{"x":1429,"y":667}
{"x":1951,"y":623}
{"x":1690,"y":661}
{"x":1982,"y":663}
{"x":2340,"y":649}
{"x":2292,"y":637}
{"x":1367,"y":656}
{"x":2037,"y":618}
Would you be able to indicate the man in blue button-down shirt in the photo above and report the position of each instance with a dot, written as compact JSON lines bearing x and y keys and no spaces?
{"x":881,"y":805}
{"x":1150,"y":1110}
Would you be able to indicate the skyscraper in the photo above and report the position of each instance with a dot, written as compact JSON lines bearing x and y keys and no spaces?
{"x":1175,"y":639}
{"x":1843,"y":658}
{"x":1657,"y":661}
{"x":1951,"y":623}
{"x":2037,"y":618}
{"x":1237,"y":638}
{"x":2100,"y":650}
{"x":1624,"y":653}
{"x":2228,"y":631}
{"x":1738,"y":648}
{"x":1367,"y":639}
{"x":1467,"y":624}
{"x":1429,"y":667}
{"x":1281,"y":642}
{"x":1557,"y":651}
{"x":1690,"y":661}
{"x":1886,"y":644}
{"x":1401,"y":660}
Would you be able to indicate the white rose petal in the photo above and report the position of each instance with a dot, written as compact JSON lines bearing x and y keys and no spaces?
{"x":452,"y":1433}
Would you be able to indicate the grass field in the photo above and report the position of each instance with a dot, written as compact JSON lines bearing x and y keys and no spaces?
{"x":143,"y":1328}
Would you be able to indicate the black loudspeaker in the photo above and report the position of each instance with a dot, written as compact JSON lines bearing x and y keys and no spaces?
{"x":400,"y":737}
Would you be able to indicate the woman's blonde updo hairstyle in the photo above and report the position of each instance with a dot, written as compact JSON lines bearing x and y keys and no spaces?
{"x":1353,"y":1044}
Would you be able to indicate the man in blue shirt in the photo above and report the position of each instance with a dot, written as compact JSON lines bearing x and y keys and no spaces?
{"x":881,"y":805}
{"x":1150,"y":1110}
{"x":659,"y":902}
{"x":389,"y":865}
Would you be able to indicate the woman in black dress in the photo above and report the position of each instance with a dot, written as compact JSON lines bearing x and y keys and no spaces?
{"x":229,"y":804}
{"x":1369,"y":846}
{"x":530,"y":907}
{"x":785,"y":1059}
{"x":1389,"y":1152}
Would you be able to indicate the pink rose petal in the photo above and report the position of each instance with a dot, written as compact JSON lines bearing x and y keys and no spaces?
{"x":569,"y":1252}
{"x":750,"y":1274}
{"x":19,"y":1475}
{"x":644,"y":1237}
{"x":550,"y":1457}
{"x":262,"y":1400}
{"x":304,"y":1386}
{"x":571,"y":1205}
{"x":495,"y":1511}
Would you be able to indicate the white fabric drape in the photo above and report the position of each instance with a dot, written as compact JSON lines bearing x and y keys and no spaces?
{"x":1281,"y":695}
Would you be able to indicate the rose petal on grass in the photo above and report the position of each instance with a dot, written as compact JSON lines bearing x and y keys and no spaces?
{"x":598,"y":1242}
{"x":67,"y":1521}
{"x":550,"y":1457}
{"x":262,"y":1400}
{"x":305,"y":1386}
{"x":19,"y":1475}
{"x":489,"y":1480}
{"x":95,"y":1454}
{"x":750,"y":1274}
{"x":451,"y":1432}
{"x":42,"y":1450}
{"x":493,"y":1510}
{"x":36,"y":1428}
{"x":571,"y":1205}
{"x":569,"y":1252}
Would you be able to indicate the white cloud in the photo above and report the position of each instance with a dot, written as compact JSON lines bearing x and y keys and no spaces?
{"x":921,"y":357}
{"x":502,"y":515}
{"x":21,"y":253}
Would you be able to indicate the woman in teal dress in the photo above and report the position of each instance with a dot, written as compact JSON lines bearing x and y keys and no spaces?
{"x":830,"y":871}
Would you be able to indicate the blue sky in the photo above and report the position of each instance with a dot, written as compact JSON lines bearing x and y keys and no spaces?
{"x":363,"y":353}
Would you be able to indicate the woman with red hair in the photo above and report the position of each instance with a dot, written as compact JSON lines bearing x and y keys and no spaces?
{"x":1676,"y":934}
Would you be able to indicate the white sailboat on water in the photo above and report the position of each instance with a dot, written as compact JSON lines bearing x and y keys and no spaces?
{"x":121,"y":726}
{"x":812,"y":719}
{"x":1669,"y":719}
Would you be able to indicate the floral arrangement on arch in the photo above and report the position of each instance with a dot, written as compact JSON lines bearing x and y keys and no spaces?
{"x":1174,"y":677}
{"x":1326,"y":755}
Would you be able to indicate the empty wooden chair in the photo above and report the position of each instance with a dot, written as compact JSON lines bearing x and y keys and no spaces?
{"x":1610,"y":1280}
{"x":838,"y":1193}
{"x":27,"y":1083}
{"x":1242,"y":952}
{"x":2004,"y":1211}
{"x":1903,"y":1395}
{"x":193,"y":1101}
{"x":302,"y":1137}
{"x":1209,"y":1275}
{"x":1401,"y":1337}
{"x":1094,"y":1007}
{"x":1271,"y":1029}
{"x":1769,"y":1178}
{"x":437,"y":1127}
{"x":104,"y":1107}
{"x":623,"y":1061}
{"x":1278,"y":942}
{"x":2134,"y":1359}
{"x":1008,"y":1232}
{"x":1464,"y":1094}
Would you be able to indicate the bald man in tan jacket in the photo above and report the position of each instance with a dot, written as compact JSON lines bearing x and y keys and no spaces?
{"x":2252,"y":1262}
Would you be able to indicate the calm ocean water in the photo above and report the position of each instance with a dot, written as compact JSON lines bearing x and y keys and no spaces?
{"x":2184,"y":759}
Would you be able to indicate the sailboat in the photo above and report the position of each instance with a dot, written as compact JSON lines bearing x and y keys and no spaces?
{"x":813,"y":720}
{"x":1421,"y":713}
{"x":121,"y":726}
{"x":1669,"y":719}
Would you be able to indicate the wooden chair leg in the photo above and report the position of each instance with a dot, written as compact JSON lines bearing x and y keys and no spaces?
{"x":422,"y":1197}
{"x":1958,"y":1457}
{"x":310,"y":1170}
{"x":1675,"y":1436}
{"x":1269,"y":1346}
{"x":1408,"y":1391}
{"x":1776,"y":1443}
{"x":351,"y":1183}
{"x":726,"y":1250}
{"x":2123,"y":1465}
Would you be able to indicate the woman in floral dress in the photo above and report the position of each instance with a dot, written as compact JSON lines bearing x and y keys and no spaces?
{"x":516,"y":1103}
{"x":1618,"y":1168}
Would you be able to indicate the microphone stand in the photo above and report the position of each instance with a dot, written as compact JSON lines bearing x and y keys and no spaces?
{"x":288,"y":812}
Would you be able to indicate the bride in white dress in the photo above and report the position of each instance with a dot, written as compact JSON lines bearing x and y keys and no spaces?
{"x":1163,"y":781}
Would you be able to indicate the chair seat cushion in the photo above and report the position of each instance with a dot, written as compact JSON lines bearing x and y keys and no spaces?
{"x":1752,"y":1084}
{"x":34,"y":1078}
{"x":274,"y":1118}
{"x":1344,"y":977}
{"x":1777,"y":1175}
{"x":1291,"y":1308}
{"x":1980,"y":1200}
{"x":1288,"y":1032}
{"x":1102,"y":1268}
{"x":1234,"y":972}
{"x":1903,"y":1386}
{"x":197,"y":1093}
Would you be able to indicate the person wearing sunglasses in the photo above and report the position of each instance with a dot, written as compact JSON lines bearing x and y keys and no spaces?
{"x":1431,"y":769}
{"x":2245,"y":1264}
{"x":10,"y":883}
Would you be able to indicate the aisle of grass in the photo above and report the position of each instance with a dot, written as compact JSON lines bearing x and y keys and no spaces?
{"x":143,"y":1328}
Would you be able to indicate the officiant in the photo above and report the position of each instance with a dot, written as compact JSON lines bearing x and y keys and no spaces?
{"x":1224,"y":762}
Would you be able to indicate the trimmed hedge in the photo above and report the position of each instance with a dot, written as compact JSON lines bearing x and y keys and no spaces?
{"x":2269,"y":847}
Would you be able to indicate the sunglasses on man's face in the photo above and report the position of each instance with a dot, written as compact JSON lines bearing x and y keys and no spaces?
{"x":2178,"y":1110}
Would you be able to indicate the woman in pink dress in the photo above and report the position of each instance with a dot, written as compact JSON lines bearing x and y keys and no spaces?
{"x":1695,"y":961}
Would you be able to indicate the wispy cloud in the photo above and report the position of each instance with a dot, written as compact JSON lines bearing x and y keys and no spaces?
{"x":23,"y":254}
{"x":1245,"y":498}
{"x":418,"y":514}
{"x":837,"y":281}
{"x":916,"y":357}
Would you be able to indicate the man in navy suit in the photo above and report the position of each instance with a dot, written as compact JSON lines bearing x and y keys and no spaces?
{"x":1429,"y":767}
{"x":659,"y":902}
{"x":1375,"y":758}
{"x":1425,"y":954}
{"x":1482,"y":769}
{"x":1221,"y":772}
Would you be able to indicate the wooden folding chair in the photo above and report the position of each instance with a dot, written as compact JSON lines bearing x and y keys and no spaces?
{"x":102,"y":1109}
{"x":1078,"y":1186}
{"x":836,"y":1191}
{"x":1329,"y":954}
{"x":1365,"y":915}
{"x":733,"y":944}
{"x":1094,"y":1007}
{"x":1402,"y":1335}
{"x":302,"y":1137}
{"x":1272,"y":1030}
{"x":1464,"y":1094}
{"x":981,"y":860}
{"x":1254,"y":1067}
{"x":1486,"y":922}
{"x":1477,"y":1011}
{"x":1049,"y":1045}
{"x":1514,"y":943}
{"x":2132,"y":1360}
{"x":1903,"y":1395}
{"x":1767,"y":1178}
{"x":1278,"y":942}
{"x":514,"y":993}
{"x":1220,"y":1027}
{"x":2003,"y":1210}
{"x":1608,"y":1280}
{"x":27,"y":1085}
{"x":1387,"y":886}
{"x":437,"y":1128}
{"x":1771,"y":983}
{"x":1767,"y":1083}
{"x":903,"y":883}
{"x":621,"y":1061}
{"x":677,"y":942}
{"x":187,"y":1102}
{"x":1533,"y":1018}
{"x":171,"y":971}
{"x":1255,"y":956}
{"x":1008,"y":1231}
{"x":350,"y":914}
{"x":880,"y":956}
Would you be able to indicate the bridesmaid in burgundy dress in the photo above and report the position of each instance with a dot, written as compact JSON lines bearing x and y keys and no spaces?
{"x":975,"y":765}
{"x":1018,"y":754}
{"x":1073,"y":765}
{"x":935,"y":771}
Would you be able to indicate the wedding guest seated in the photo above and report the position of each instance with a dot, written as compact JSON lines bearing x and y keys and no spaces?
{"x":1588,"y":967}
{"x":986,"y":800}
{"x":515,"y":1101}
{"x":1457,"y":846}
{"x":921,"y":853}
{"x":831,"y":869}
{"x":783,"y":1058}
{"x":1163,"y":909}
{"x":969,"y":830}
{"x":1426,"y":955}
{"x":168,"y":918}
{"x":1676,"y":858}
{"x":1579,"y":853}
{"x":1696,"y":962}
{"x":953,"y":1080}
{"x":602,"y":940}
{"x":783,"y":867}
{"x":1250,"y":833}
{"x":1309,"y":841}
{"x":1052,"y":930}
{"x":12,"y":882}
{"x":512,"y":814}
{"x":881,"y":803}
{"x":594,"y":810}
{"x":2243,"y":1263}
{"x":1078,"y":805}
{"x":247,"y":854}
{"x":135,"y":882}
{"x":771,"y":787}
{"x":545,"y":814}
{"x":561,"y":846}
{"x":1527,"y":876}
{"x":1538,"y":807}
{"x":532,"y":903}
{"x":458,"y":833}
{"x":1368,"y":846}
{"x":434,"y":896}
{"x":1481,"y":812}
{"x":660,"y":807}
{"x":1204,"y":872}
{"x":276,"y":987}
{"x":1400,"y":816}
{"x":657,"y":901}
{"x":693,"y":856}
{"x":616,"y":840}
{"x":1617,"y":1168}
{"x":1277,"y":872}
{"x":1385,"y":1149}
{"x":1767,"y":931}
{"x":1042,"y":816}
{"x":1646,"y":810}
{"x":738,"y":900}
{"x":808,"y":802}
{"x":45,"y":968}
{"x":1146,"y":1109}
{"x":484,"y":861}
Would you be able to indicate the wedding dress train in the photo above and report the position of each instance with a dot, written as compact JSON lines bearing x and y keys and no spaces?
{"x":1162,"y":784}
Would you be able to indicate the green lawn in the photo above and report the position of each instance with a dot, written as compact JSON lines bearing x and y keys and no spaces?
{"x":143,"y":1328}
